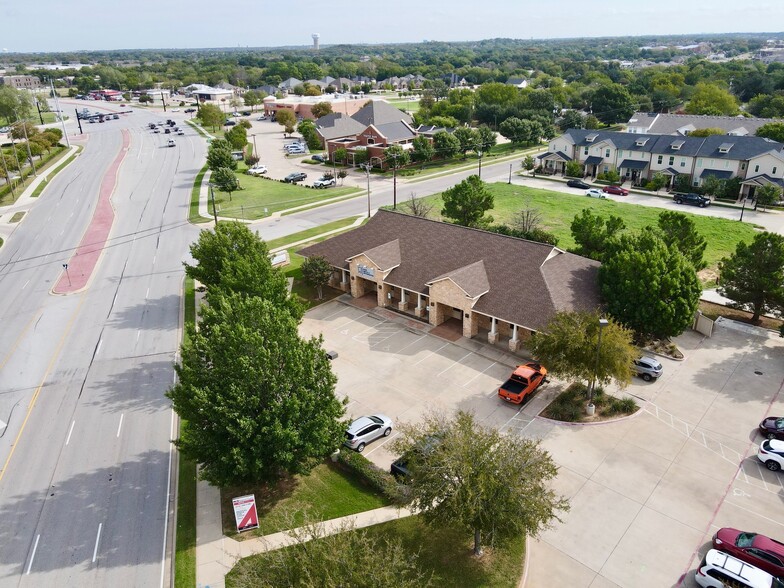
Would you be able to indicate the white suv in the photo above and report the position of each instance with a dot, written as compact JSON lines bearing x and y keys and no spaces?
{"x":721,"y":570}
{"x":771,"y":453}
{"x":257,"y":170}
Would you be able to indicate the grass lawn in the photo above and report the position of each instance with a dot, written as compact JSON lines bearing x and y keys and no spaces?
{"x":443,"y":165}
{"x":185,"y":542}
{"x":6,"y":197}
{"x":326,"y":493}
{"x":193,"y":212}
{"x":447,"y":553}
{"x":40,"y":187}
{"x":569,"y":405}
{"x":306,"y":234}
{"x":261,"y":197}
{"x":17,"y":216}
{"x":558,"y":209}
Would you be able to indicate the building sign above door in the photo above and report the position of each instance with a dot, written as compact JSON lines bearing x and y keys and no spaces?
{"x":365,"y":271}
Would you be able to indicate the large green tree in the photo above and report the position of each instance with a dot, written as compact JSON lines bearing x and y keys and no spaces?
{"x":492,"y":485}
{"x":317,"y":271}
{"x":287,"y":119}
{"x":232,"y":259}
{"x":237,"y":137}
{"x":396,"y":157}
{"x":219,"y":156}
{"x":649,"y":286}
{"x":593,"y":234}
{"x":567,"y":346}
{"x":211,"y":115}
{"x":14,"y":104}
{"x":774,"y":130}
{"x":321,"y":109}
{"x":612,"y":104}
{"x":446,"y":145}
{"x":680,"y":231}
{"x":257,"y":401}
{"x":422,"y":149}
{"x":753,"y":276}
{"x":468,"y":140}
{"x":709,"y":99}
{"x":225,"y":180}
{"x":467,"y":202}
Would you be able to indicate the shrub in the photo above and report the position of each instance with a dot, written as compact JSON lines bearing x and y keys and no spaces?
{"x":373,"y":476}
{"x":251,"y":160}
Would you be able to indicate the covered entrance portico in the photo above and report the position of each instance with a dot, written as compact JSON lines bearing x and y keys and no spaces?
{"x":633,"y":170}
{"x":749,"y":186}
{"x":554,"y":162}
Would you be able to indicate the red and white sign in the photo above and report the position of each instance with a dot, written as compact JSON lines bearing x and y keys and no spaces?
{"x":245,"y":512}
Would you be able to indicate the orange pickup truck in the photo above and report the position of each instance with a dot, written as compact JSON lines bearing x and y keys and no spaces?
{"x":523,"y":382}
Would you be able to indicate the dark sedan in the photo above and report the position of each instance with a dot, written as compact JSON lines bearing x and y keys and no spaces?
{"x":616,"y":190}
{"x":772,"y":428}
{"x":578,"y":184}
{"x":758,"y":550}
{"x":295,"y":177}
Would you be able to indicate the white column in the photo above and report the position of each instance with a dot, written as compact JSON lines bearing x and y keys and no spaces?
{"x":514,"y":332}
{"x":344,"y":276}
{"x":419,"y":301}
{"x":403,"y":298}
{"x":492,"y":325}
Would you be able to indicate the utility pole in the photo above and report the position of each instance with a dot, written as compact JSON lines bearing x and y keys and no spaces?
{"x":394,"y":181}
{"x":510,"y":173}
{"x":60,"y":114}
{"x":79,"y":121}
{"x":479,"y":153}
{"x":27,"y":143}
{"x":7,"y":175}
{"x":368,"y":166}
{"x":214,"y":211}
{"x":38,"y":108}
{"x":164,"y":101}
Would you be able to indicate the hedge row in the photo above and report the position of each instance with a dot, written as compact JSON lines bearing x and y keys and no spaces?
{"x":374,"y":476}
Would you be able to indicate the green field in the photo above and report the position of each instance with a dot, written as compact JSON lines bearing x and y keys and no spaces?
{"x":559,"y":209}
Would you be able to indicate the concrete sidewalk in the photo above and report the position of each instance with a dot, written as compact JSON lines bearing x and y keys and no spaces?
{"x":216,"y":554}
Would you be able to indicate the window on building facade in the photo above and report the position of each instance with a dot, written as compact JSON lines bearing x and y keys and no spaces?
{"x":607,"y":153}
{"x":756,"y":168}
{"x":683,"y":163}
{"x":585,"y":151}
{"x":742,"y":166}
{"x":672,"y":160}
{"x":699,"y":163}
{"x":774,"y":170}
{"x":661,"y":158}
{"x":620,"y":153}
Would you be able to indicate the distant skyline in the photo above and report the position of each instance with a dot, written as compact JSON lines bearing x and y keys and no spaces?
{"x":57,"y":26}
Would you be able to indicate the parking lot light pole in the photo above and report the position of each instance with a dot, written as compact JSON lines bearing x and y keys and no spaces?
{"x":590,"y":409}
{"x":255,"y":149}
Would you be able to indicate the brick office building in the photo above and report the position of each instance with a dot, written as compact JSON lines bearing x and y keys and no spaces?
{"x":498,"y":287}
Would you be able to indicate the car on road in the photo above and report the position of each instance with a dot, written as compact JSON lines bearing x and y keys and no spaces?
{"x":229,"y":123}
{"x":366,"y":429}
{"x":758,"y":550}
{"x":647,"y":368}
{"x":615,"y":190}
{"x":175,"y":109}
{"x":262,"y":117}
{"x":295,"y":177}
{"x":166,"y":131}
{"x":595,"y":193}
{"x":324,"y":182}
{"x":4,"y":129}
{"x":721,"y":570}
{"x":155,"y":130}
{"x":171,"y":143}
{"x":578,"y":184}
{"x":771,"y":453}
{"x":180,"y":132}
{"x":257,"y":170}
{"x":189,"y":110}
{"x":115,"y":116}
{"x":235,"y":114}
{"x":772,"y":427}
{"x":691,"y":198}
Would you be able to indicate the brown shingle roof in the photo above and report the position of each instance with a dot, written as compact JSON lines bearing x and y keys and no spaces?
{"x":472,"y":279}
{"x":386,"y":256}
{"x":528,"y":282}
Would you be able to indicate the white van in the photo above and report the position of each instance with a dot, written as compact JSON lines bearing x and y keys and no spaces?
{"x":171,"y":143}
{"x":721,"y":570}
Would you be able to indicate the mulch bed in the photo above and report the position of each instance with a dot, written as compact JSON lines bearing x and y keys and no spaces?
{"x":713,"y":311}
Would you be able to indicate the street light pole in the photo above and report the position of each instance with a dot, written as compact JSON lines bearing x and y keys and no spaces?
{"x":479,"y":153}
{"x":214,"y":211}
{"x":591,"y":408}
{"x":510,"y":173}
{"x":742,"y":209}
{"x":255,"y":149}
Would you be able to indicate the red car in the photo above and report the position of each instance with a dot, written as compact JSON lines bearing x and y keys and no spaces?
{"x":758,"y":550}
{"x":617,"y":190}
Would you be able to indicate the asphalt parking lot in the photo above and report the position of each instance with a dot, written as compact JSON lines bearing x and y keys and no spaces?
{"x":646,"y":492}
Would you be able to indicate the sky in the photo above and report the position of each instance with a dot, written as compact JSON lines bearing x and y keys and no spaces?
{"x":72,"y":25}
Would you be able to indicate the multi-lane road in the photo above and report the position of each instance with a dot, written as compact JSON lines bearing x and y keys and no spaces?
{"x":85,"y":456}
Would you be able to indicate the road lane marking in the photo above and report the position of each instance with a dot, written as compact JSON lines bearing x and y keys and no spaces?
{"x":68,"y":439}
{"x":146,"y":296}
{"x":168,"y":497}
{"x":97,"y":540}
{"x":32,"y":556}
{"x":25,"y":284}
{"x":138,"y":332}
{"x":37,"y":392}
{"x":119,"y":427}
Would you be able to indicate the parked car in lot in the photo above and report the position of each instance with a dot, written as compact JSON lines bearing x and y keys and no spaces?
{"x":647,"y":368}
{"x":324,"y":182}
{"x":366,"y":429}
{"x":772,"y":427}
{"x":319,"y":157}
{"x":771,"y":453}
{"x":523,"y":382}
{"x":763,"y":552}
{"x":175,"y":109}
{"x":721,"y":570}
{"x":578,"y":184}
{"x":691,"y":198}
{"x":229,"y":123}
{"x":615,"y":190}
{"x":257,"y":170}
{"x":295,"y":150}
{"x":262,"y":117}
{"x":295,"y":177}
{"x":399,"y":467}
{"x":595,"y":193}
{"x":4,"y":129}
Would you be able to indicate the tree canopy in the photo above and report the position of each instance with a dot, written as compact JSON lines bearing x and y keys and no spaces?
{"x":753,"y":276}
{"x":593,"y":234}
{"x":679,"y":231}
{"x":709,"y":99}
{"x":467,"y":202}
{"x":649,"y":286}
{"x":493,"y":486}
{"x":211,"y":115}
{"x":219,"y":156}
{"x":257,"y":400}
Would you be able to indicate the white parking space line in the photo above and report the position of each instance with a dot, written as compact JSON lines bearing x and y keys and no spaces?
{"x":431,"y":353}
{"x":478,"y":374}
{"x":338,"y":311}
{"x":25,"y":284}
{"x":97,"y":540}
{"x":32,"y":556}
{"x":417,"y":340}
{"x":341,"y":327}
{"x":384,"y":442}
{"x":454,"y":363}
{"x":68,"y":439}
{"x":395,"y":332}
{"x":119,"y":427}
{"x":736,"y":505}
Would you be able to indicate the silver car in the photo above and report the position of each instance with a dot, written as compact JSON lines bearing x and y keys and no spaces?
{"x":647,"y":368}
{"x":366,"y":429}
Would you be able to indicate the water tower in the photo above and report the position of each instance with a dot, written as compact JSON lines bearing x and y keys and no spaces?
{"x":316,"y":38}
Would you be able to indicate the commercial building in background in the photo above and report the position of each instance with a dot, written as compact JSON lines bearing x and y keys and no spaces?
{"x":483,"y":284}
{"x":22,"y":82}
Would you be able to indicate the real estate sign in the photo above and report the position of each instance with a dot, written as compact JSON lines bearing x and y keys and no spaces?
{"x":245,"y":512}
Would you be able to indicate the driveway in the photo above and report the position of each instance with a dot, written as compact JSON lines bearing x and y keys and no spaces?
{"x":646,"y":492}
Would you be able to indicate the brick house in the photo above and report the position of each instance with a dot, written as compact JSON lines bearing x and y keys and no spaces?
{"x":489,"y":285}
